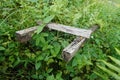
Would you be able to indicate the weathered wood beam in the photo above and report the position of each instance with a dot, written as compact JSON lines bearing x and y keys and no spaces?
{"x":72,"y":48}
{"x":25,"y":34}
{"x":70,"y":51}
{"x":71,"y":30}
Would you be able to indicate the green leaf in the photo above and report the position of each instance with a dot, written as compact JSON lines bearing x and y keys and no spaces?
{"x":48,"y":19}
{"x":44,"y":34}
{"x":16,"y":62}
{"x":47,"y":47}
{"x":40,"y":28}
{"x":118,"y":51}
{"x":39,"y":57}
{"x":43,"y":41}
{"x":33,"y":0}
{"x":40,"y":41}
{"x":110,"y":72}
{"x":112,"y":66}
{"x":74,"y":62}
{"x":34,"y":76}
{"x":76,"y":78}
{"x":37,"y":41}
{"x":2,"y":58}
{"x":49,"y":70}
{"x":115,"y":60}
{"x":56,"y":49}
{"x":58,"y":76}
{"x":11,"y":58}
{"x":50,"y":61}
{"x":41,"y":77}
{"x":37,"y":65}
{"x":2,"y":48}
{"x":101,"y":75}
{"x":64,"y":43}
{"x":51,"y":77}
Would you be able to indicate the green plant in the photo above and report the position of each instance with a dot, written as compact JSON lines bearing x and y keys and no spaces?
{"x":111,"y":68}
{"x":40,"y":58}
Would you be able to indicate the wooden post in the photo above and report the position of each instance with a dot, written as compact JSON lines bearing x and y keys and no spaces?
{"x":70,"y":51}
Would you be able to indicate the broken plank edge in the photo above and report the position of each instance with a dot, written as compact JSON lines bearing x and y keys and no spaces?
{"x":25,"y":34}
{"x":69,"y":52}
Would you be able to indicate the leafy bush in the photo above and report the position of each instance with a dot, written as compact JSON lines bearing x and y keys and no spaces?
{"x":40,"y":58}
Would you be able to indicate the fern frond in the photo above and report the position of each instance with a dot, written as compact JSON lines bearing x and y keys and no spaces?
{"x":116,"y":76}
{"x":103,"y":77}
{"x":118,"y":51}
{"x":111,"y":66}
{"x":115,"y":60}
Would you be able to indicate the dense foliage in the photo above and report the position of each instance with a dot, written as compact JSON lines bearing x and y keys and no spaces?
{"x":40,"y":58}
{"x":111,"y":69}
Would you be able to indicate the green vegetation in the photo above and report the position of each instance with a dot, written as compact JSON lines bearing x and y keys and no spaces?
{"x":40,"y":58}
{"x":111,"y":69}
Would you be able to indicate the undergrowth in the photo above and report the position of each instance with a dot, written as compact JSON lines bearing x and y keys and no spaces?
{"x":40,"y":58}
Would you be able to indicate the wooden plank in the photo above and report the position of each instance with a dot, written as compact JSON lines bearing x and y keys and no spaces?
{"x":70,"y":51}
{"x":25,"y":34}
{"x":71,"y":30}
{"x":72,"y":48}
{"x":26,"y":31}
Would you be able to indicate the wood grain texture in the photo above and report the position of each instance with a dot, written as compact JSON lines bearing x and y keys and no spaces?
{"x":71,"y":30}
{"x":72,"y":48}
{"x":26,"y":31}
{"x":25,"y":34}
{"x":70,"y":51}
